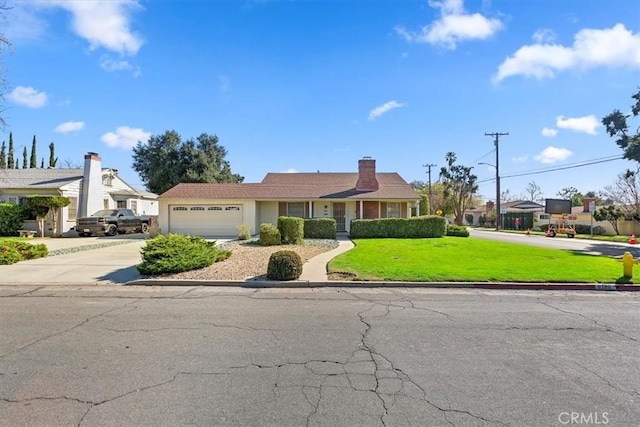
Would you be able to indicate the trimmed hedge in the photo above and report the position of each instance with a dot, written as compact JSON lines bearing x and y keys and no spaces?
{"x":457,"y":230}
{"x":269,"y":235}
{"x":320,"y":228}
{"x":11,"y":219}
{"x":175,"y":253}
{"x":291,"y":229}
{"x":416,"y":227}
{"x":13,"y":251}
{"x":284,"y":265}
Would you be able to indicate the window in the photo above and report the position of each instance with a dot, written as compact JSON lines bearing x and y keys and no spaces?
{"x":134,"y":206}
{"x":215,"y":208}
{"x":295,"y":209}
{"x":107,"y":180}
{"x":13,"y":200}
{"x":197,"y":208}
{"x":393,"y":209}
{"x":180,"y":208}
{"x":73,"y":208}
{"x":232,"y":208}
{"x":121,"y":204}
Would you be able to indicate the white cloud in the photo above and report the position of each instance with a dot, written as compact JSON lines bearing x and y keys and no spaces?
{"x":520,"y":159}
{"x":125,"y":137}
{"x":291,"y":170}
{"x":103,"y":24}
{"x":28,"y":96}
{"x":109,"y":64}
{"x":610,"y":47}
{"x":454,"y":26}
{"x":67,"y":127}
{"x":384,"y":108}
{"x":553,"y":154}
{"x":549,"y":132}
{"x":586,"y":124}
{"x":544,"y":35}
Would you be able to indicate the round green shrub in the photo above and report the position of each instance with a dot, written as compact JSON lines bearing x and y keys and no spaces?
{"x":284,"y":265}
{"x":269,"y":235}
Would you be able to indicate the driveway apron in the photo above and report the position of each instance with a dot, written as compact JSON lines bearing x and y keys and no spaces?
{"x":93,"y":260}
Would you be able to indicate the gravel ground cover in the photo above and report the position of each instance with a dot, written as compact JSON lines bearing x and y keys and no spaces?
{"x":249,"y":260}
{"x":74,"y":249}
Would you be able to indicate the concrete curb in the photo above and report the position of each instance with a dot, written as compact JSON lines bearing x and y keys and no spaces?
{"x":361,"y":284}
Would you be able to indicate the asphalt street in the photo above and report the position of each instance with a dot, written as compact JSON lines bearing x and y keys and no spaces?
{"x":109,"y":355}
{"x":595,"y":247}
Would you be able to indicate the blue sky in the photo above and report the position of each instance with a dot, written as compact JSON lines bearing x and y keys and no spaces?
{"x":315,"y":85}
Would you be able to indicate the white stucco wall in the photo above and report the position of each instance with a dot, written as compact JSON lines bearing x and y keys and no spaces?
{"x":268,"y":212}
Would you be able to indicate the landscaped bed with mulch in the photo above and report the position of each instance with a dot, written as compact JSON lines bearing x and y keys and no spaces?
{"x":250,"y":260}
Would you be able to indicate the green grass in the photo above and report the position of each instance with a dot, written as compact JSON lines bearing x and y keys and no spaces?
{"x":455,"y":259}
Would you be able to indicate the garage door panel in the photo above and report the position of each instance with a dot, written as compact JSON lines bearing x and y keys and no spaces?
{"x":205,"y":220}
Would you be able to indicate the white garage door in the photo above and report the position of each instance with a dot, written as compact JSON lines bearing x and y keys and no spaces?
{"x":205,"y":220}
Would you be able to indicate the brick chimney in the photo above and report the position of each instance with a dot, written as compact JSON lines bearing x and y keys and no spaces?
{"x":367,"y":175}
{"x":91,"y":194}
{"x":585,"y":204}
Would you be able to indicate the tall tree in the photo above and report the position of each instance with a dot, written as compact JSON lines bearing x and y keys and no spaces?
{"x":571,"y":193}
{"x":34,"y":160}
{"x":24,"y":158}
{"x":3,"y":156}
{"x":459,"y":186}
{"x":533,"y":191}
{"x":616,"y":124}
{"x":165,"y":160}
{"x":625,"y":193}
{"x":10,"y":158}
{"x":42,"y":164}
{"x":52,"y":156}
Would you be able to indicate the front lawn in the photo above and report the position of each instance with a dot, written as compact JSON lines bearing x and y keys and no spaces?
{"x":454,"y":259}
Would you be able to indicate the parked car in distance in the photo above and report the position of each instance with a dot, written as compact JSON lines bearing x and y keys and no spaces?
{"x":110,"y":222}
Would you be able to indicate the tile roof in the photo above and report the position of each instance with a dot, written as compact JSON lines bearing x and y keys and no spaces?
{"x":302,"y":186}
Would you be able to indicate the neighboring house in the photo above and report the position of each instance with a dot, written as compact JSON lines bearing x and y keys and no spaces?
{"x":515,"y":206}
{"x":90,"y":190}
{"x":219,"y":209}
{"x":583,"y":216}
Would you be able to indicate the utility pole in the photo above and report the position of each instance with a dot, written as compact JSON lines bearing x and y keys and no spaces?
{"x":496,"y":142}
{"x":429,"y":166}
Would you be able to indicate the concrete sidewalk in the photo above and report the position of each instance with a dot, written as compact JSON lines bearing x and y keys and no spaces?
{"x":315,"y":269}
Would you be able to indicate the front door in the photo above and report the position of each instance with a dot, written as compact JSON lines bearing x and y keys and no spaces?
{"x":339,"y":211}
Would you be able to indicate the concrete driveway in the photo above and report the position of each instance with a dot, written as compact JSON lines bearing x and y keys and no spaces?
{"x":76,"y":260}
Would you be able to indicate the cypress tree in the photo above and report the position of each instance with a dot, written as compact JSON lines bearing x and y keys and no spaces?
{"x":52,"y":157}
{"x":24,"y":158}
{"x":10,"y":159}
{"x":42,"y":164}
{"x":3,"y":156}
{"x":34,"y":161}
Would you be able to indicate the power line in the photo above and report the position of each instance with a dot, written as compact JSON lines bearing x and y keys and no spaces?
{"x":558,"y":168}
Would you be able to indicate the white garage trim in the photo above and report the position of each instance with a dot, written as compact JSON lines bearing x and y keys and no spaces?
{"x":220,"y":220}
